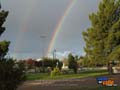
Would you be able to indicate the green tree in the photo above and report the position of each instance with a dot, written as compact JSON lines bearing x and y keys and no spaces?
{"x":103,"y":37}
{"x":3,"y":44}
{"x":11,"y":72}
{"x":76,"y":58}
{"x":80,"y":61}
{"x":72,"y":63}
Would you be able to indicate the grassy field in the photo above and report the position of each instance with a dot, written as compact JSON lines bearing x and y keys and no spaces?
{"x":46,"y":76}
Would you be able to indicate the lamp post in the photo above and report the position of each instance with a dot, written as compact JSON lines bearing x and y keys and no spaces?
{"x":54,"y":54}
{"x":0,"y":4}
{"x":43,"y":42}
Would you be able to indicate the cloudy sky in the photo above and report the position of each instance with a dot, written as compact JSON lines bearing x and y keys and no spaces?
{"x":28,"y":20}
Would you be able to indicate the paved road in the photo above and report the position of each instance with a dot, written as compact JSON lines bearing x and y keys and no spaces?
{"x":61,"y":84}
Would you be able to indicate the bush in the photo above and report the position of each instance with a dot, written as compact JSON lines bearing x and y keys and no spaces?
{"x":55,"y":72}
{"x":12,"y":74}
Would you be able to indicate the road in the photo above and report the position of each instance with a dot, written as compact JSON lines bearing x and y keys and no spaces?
{"x":61,"y":84}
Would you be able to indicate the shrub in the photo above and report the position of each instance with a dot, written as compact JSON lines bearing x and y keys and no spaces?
{"x":12,"y":74}
{"x":55,"y":72}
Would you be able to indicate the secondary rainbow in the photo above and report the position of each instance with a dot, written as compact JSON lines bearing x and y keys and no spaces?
{"x":59,"y":26}
{"x":24,"y":26}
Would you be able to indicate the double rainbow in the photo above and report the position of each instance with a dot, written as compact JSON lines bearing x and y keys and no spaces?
{"x":57,"y":29}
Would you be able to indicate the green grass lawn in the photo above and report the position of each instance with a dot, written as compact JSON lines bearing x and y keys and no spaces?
{"x":46,"y":76}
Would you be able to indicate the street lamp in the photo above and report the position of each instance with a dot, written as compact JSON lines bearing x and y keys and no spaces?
{"x":54,"y":58}
{"x":0,"y":4}
{"x":54,"y":54}
{"x":43,"y":42}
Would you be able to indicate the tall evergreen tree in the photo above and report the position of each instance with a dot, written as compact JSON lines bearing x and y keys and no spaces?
{"x":3,"y":44}
{"x":103,"y":37}
{"x":11,"y":72}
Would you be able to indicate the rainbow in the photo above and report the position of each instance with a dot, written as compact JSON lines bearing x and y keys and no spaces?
{"x":25,"y":23}
{"x":59,"y":26}
{"x":24,"y":26}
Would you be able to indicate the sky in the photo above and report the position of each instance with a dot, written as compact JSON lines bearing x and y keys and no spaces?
{"x":28,"y":20}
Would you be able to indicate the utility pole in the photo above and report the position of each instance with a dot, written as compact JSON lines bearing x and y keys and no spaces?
{"x":54,"y":58}
{"x":54,"y":54}
{"x":43,"y":44}
{"x":0,"y":4}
